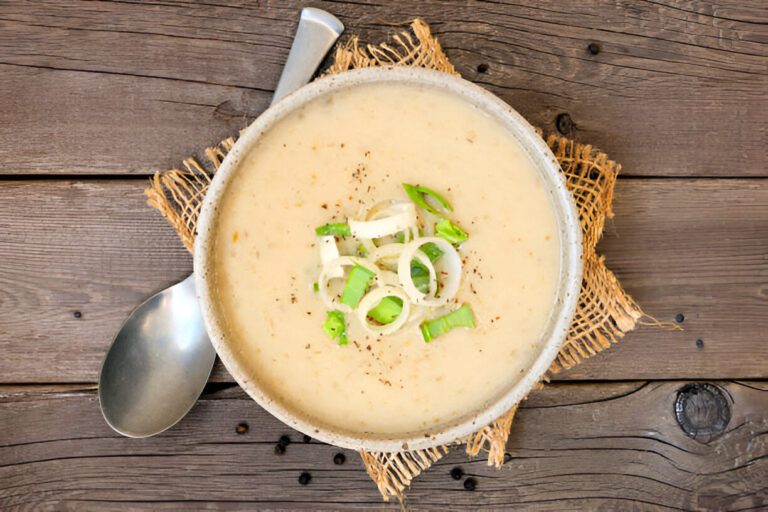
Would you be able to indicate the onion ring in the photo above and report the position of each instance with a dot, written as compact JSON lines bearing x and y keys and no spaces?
{"x":330,"y":268}
{"x":372,"y":299}
{"x":452,"y":261}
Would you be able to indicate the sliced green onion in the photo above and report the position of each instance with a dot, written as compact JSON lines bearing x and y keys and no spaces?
{"x":387,"y":310}
{"x":357,"y":283}
{"x":336,"y":326}
{"x":432,"y":251}
{"x":462,"y":317}
{"x":362,"y":251}
{"x":418,"y":195}
{"x":315,"y":287}
{"x":336,"y":229}
{"x":419,"y":272}
{"x":400,"y":237}
{"x":420,"y":276}
{"x":451,"y":232}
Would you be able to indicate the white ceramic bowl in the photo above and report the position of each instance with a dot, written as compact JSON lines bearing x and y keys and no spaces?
{"x":570,"y":260}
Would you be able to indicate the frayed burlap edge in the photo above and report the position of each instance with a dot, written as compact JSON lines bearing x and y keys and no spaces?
{"x":415,"y":47}
{"x":178,"y":195}
{"x":605,"y":311}
{"x":393,"y":471}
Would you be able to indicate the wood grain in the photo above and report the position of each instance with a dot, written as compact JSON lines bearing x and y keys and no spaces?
{"x":92,"y":91}
{"x":573,"y":446}
{"x":696,"y":247}
{"x":132,"y":87}
{"x":91,"y":247}
{"x":112,"y":124}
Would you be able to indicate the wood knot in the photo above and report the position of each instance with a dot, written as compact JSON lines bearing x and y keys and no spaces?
{"x":702,"y":411}
{"x":594,"y":48}
{"x":228,"y":109}
{"x":564,"y":123}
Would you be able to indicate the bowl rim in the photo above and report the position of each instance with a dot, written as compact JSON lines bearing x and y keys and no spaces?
{"x":570,"y":258}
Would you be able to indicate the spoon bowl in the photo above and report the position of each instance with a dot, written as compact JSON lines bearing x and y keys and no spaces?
{"x":158,"y":364}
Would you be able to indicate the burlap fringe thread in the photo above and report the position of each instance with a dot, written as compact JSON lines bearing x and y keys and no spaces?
{"x":424,"y":52}
{"x":604,"y":314}
{"x":178,"y":195}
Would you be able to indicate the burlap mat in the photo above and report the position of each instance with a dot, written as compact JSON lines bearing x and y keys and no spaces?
{"x":604,"y":313}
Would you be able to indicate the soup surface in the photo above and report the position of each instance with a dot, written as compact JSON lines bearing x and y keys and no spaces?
{"x":332,"y":159}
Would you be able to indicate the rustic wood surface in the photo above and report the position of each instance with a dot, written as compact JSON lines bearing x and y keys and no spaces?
{"x":707,"y":261}
{"x":674,"y":90}
{"x":95,"y":96}
{"x":573,"y":446}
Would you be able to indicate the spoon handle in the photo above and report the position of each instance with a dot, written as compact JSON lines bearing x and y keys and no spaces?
{"x":317,"y":32}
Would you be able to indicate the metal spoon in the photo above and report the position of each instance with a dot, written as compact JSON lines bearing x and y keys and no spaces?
{"x":161,"y":358}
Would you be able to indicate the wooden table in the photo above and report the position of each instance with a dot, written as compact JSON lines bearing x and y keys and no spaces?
{"x":96,"y":96}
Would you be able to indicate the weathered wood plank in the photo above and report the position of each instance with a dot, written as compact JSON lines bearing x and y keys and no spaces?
{"x":93,"y":248}
{"x":673,"y":89}
{"x":55,"y":122}
{"x":696,"y":247}
{"x":573,"y":446}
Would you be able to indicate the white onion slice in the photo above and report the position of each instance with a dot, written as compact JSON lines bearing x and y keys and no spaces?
{"x":388,"y":208}
{"x":368,"y":244}
{"x":417,"y":296}
{"x":403,"y":220}
{"x":412,"y":233}
{"x":386,"y":252}
{"x":329,"y":251}
{"x":451,"y":260}
{"x":372,"y":299}
{"x":387,"y":277}
{"x":330,"y":268}
{"x":430,"y":220}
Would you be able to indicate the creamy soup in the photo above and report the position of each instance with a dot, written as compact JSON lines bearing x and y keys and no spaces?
{"x":335,"y":157}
